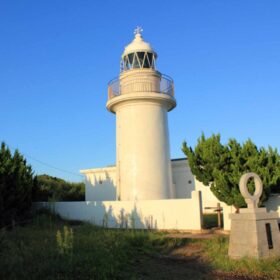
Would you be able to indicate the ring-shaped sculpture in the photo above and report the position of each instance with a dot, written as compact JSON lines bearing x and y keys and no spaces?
{"x":251,"y":200}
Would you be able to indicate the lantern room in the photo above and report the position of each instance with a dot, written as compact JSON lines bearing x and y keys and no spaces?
{"x":138,"y":54}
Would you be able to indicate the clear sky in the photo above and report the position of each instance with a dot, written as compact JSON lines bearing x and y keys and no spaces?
{"x":56,"y":58}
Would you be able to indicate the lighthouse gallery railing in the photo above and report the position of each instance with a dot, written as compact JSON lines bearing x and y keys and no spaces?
{"x":166,"y":86}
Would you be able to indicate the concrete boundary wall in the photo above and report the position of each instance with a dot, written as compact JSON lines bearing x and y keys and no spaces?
{"x":169,"y":214}
{"x":272,"y":205}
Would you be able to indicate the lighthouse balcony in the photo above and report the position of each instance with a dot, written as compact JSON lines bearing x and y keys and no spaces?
{"x":164,"y":86}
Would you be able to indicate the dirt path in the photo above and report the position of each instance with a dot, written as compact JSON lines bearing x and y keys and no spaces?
{"x":205,"y":234}
{"x":185,"y":262}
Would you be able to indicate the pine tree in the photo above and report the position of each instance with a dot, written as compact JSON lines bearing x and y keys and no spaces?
{"x":221,"y":166}
{"x":16,"y":186}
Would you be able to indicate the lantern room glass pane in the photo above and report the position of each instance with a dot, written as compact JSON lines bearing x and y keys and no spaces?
{"x":130,"y":60}
{"x":136,"y":61}
{"x":126,"y":63}
{"x":150,"y":57}
{"x":141,"y":58}
{"x":146,"y":62}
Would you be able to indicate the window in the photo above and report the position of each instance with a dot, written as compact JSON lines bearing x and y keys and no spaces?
{"x":136,"y":63}
{"x":141,"y":58}
{"x":138,"y":60}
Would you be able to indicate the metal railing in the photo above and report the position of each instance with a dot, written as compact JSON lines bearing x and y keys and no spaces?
{"x":166,"y":86}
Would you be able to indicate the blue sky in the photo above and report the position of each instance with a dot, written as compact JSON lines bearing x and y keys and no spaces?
{"x":56,"y":58}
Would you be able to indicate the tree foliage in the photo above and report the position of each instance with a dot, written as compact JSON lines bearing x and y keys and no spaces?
{"x":17,"y":184}
{"x":221,"y":166}
{"x":56,"y":189}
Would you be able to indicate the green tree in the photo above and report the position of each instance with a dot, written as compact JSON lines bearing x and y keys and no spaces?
{"x":57,"y":189}
{"x":221,"y":166}
{"x":16,"y":186}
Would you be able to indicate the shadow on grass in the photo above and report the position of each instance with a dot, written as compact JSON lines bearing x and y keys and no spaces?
{"x":32,"y":252}
{"x":170,"y":258}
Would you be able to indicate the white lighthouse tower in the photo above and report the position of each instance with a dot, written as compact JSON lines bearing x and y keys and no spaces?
{"x":141,"y":97}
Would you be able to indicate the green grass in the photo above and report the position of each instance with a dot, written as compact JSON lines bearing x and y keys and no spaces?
{"x":37,"y":252}
{"x":216,"y":250}
{"x":50,"y":248}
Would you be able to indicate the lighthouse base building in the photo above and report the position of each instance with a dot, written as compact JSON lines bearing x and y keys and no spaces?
{"x":101,"y":184}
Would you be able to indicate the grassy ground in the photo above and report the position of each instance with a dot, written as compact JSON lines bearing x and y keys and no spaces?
{"x":50,"y":248}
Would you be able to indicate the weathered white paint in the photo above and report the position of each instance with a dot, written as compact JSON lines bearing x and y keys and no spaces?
{"x":170,"y":214}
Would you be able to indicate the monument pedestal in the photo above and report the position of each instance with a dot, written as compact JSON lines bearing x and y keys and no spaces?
{"x":254,"y":233}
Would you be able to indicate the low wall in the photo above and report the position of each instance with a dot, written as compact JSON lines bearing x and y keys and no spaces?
{"x":273,"y":204}
{"x":170,"y":214}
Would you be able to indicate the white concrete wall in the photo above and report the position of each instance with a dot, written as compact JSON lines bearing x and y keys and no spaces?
{"x":273,"y":203}
{"x":185,"y":183}
{"x":226,"y":211}
{"x":171,"y":214}
{"x":101,"y":184}
{"x":208,"y":198}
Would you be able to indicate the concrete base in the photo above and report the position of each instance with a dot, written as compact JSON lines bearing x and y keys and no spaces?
{"x":254,"y":234}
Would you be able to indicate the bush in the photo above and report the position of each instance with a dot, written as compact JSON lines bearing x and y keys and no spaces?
{"x":17,"y":184}
{"x":56,"y":189}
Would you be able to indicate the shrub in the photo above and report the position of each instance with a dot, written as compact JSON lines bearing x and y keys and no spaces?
{"x":17,"y":184}
{"x":56,"y":189}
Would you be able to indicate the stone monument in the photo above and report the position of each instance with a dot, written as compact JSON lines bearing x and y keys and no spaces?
{"x":254,"y":231}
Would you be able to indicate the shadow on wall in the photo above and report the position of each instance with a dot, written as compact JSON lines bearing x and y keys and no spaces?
{"x":100,"y":187}
{"x":97,"y":213}
{"x":122,"y":219}
{"x":148,"y":214}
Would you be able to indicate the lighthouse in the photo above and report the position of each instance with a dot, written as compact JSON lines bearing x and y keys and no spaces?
{"x":141,"y":97}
